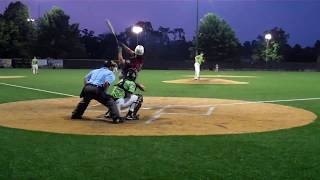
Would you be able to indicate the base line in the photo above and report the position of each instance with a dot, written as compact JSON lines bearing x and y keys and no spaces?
{"x":267,"y":101}
{"x":157,"y":114}
{"x":41,"y":90}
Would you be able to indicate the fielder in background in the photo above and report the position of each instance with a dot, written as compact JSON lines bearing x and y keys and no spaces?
{"x":123,"y":94}
{"x":135,"y":61}
{"x":199,"y":59}
{"x":95,"y":85}
{"x":217,"y":68}
{"x":34,"y":65}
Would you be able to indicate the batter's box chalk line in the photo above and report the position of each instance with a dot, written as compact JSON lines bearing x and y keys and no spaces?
{"x":161,"y":111}
{"x":156,"y":115}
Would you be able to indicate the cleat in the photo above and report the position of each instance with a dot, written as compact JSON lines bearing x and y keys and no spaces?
{"x":76,"y":117}
{"x":132,"y":117}
{"x":118,"y":120}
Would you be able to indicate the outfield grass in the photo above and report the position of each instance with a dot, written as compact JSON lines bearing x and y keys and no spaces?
{"x":284,"y":154}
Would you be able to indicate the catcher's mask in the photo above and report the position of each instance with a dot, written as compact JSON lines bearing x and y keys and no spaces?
{"x":131,"y":75}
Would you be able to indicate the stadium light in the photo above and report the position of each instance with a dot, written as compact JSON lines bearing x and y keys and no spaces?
{"x":197,"y":27}
{"x":30,"y":20}
{"x":267,"y":37}
{"x":137,"y":30}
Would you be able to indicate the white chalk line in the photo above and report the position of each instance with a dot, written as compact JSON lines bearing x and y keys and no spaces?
{"x":240,"y":103}
{"x":212,"y":107}
{"x":210,"y":110}
{"x":267,"y":101}
{"x":160,"y":112}
{"x":41,"y":90}
{"x":157,"y":114}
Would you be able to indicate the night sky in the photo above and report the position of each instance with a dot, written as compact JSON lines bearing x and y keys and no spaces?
{"x":248,"y":18}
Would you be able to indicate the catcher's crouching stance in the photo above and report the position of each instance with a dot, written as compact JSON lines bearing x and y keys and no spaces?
{"x":123,"y":94}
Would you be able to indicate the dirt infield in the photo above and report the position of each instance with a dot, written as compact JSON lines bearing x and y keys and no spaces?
{"x":204,"y":81}
{"x":158,"y":116}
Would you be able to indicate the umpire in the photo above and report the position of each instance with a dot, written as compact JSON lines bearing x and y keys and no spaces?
{"x":95,"y":85}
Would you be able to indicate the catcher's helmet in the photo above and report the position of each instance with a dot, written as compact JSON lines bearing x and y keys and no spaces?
{"x":139,"y":50}
{"x":131,"y":75}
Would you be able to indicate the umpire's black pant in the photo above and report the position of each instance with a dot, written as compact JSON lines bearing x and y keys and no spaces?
{"x":90,"y":92}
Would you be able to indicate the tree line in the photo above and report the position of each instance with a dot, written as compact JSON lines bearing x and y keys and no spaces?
{"x":52,"y":35}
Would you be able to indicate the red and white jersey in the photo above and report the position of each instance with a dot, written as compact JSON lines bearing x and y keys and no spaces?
{"x":135,"y":63}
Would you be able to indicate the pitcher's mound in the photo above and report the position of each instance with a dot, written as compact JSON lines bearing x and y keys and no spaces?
{"x":205,"y":81}
{"x":158,"y":116}
{"x":11,"y":77}
{"x":222,"y":76}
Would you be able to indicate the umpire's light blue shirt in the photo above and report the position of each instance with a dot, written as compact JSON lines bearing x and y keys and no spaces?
{"x":100,"y":76}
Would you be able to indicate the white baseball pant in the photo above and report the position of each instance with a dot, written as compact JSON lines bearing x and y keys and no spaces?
{"x":196,"y":70}
{"x":128,"y":102}
{"x":35,"y":68}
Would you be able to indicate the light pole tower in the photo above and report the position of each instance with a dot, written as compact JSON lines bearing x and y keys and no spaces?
{"x":137,"y":30}
{"x":267,"y":37}
{"x":30,"y":20}
{"x":197,"y":27}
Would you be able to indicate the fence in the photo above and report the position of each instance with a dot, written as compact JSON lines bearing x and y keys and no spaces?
{"x":160,"y":64}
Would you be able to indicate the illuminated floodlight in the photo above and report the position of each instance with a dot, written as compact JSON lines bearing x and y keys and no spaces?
{"x":268,"y":36}
{"x":30,"y":20}
{"x":137,"y":29}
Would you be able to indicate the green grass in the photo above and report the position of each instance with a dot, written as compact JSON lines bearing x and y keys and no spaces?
{"x":284,"y":154}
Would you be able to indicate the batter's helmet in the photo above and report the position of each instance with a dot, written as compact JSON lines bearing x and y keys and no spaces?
{"x":139,"y":50}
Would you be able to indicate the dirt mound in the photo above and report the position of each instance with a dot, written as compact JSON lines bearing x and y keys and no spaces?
{"x":205,"y":81}
{"x":222,"y":76}
{"x":11,"y":77}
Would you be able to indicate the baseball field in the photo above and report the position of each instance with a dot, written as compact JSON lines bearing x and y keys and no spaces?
{"x":228,"y":125}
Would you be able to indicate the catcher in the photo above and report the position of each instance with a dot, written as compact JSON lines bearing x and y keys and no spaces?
{"x":124,"y":96}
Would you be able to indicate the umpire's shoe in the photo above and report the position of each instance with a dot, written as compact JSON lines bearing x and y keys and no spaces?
{"x":76,"y":117}
{"x":118,"y":120}
{"x":107,"y":115}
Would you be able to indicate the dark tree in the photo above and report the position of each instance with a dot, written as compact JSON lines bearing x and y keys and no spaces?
{"x":217,"y":39}
{"x":157,"y":43}
{"x":247,"y":50}
{"x":107,"y":46}
{"x":91,"y":43}
{"x":280,"y":38}
{"x":164,"y":35}
{"x":317,"y":50}
{"x":57,"y":38}
{"x":16,"y":33}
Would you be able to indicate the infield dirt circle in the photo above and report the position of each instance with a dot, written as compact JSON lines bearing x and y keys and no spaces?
{"x":158,"y":116}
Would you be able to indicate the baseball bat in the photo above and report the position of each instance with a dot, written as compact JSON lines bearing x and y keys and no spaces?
{"x":112,"y":30}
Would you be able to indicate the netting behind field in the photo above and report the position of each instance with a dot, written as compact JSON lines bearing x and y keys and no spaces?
{"x":159,"y":64}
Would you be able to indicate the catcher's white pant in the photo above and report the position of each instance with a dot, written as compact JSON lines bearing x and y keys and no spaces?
{"x":128,"y":102}
{"x":196,"y":70}
{"x":35,"y":68}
